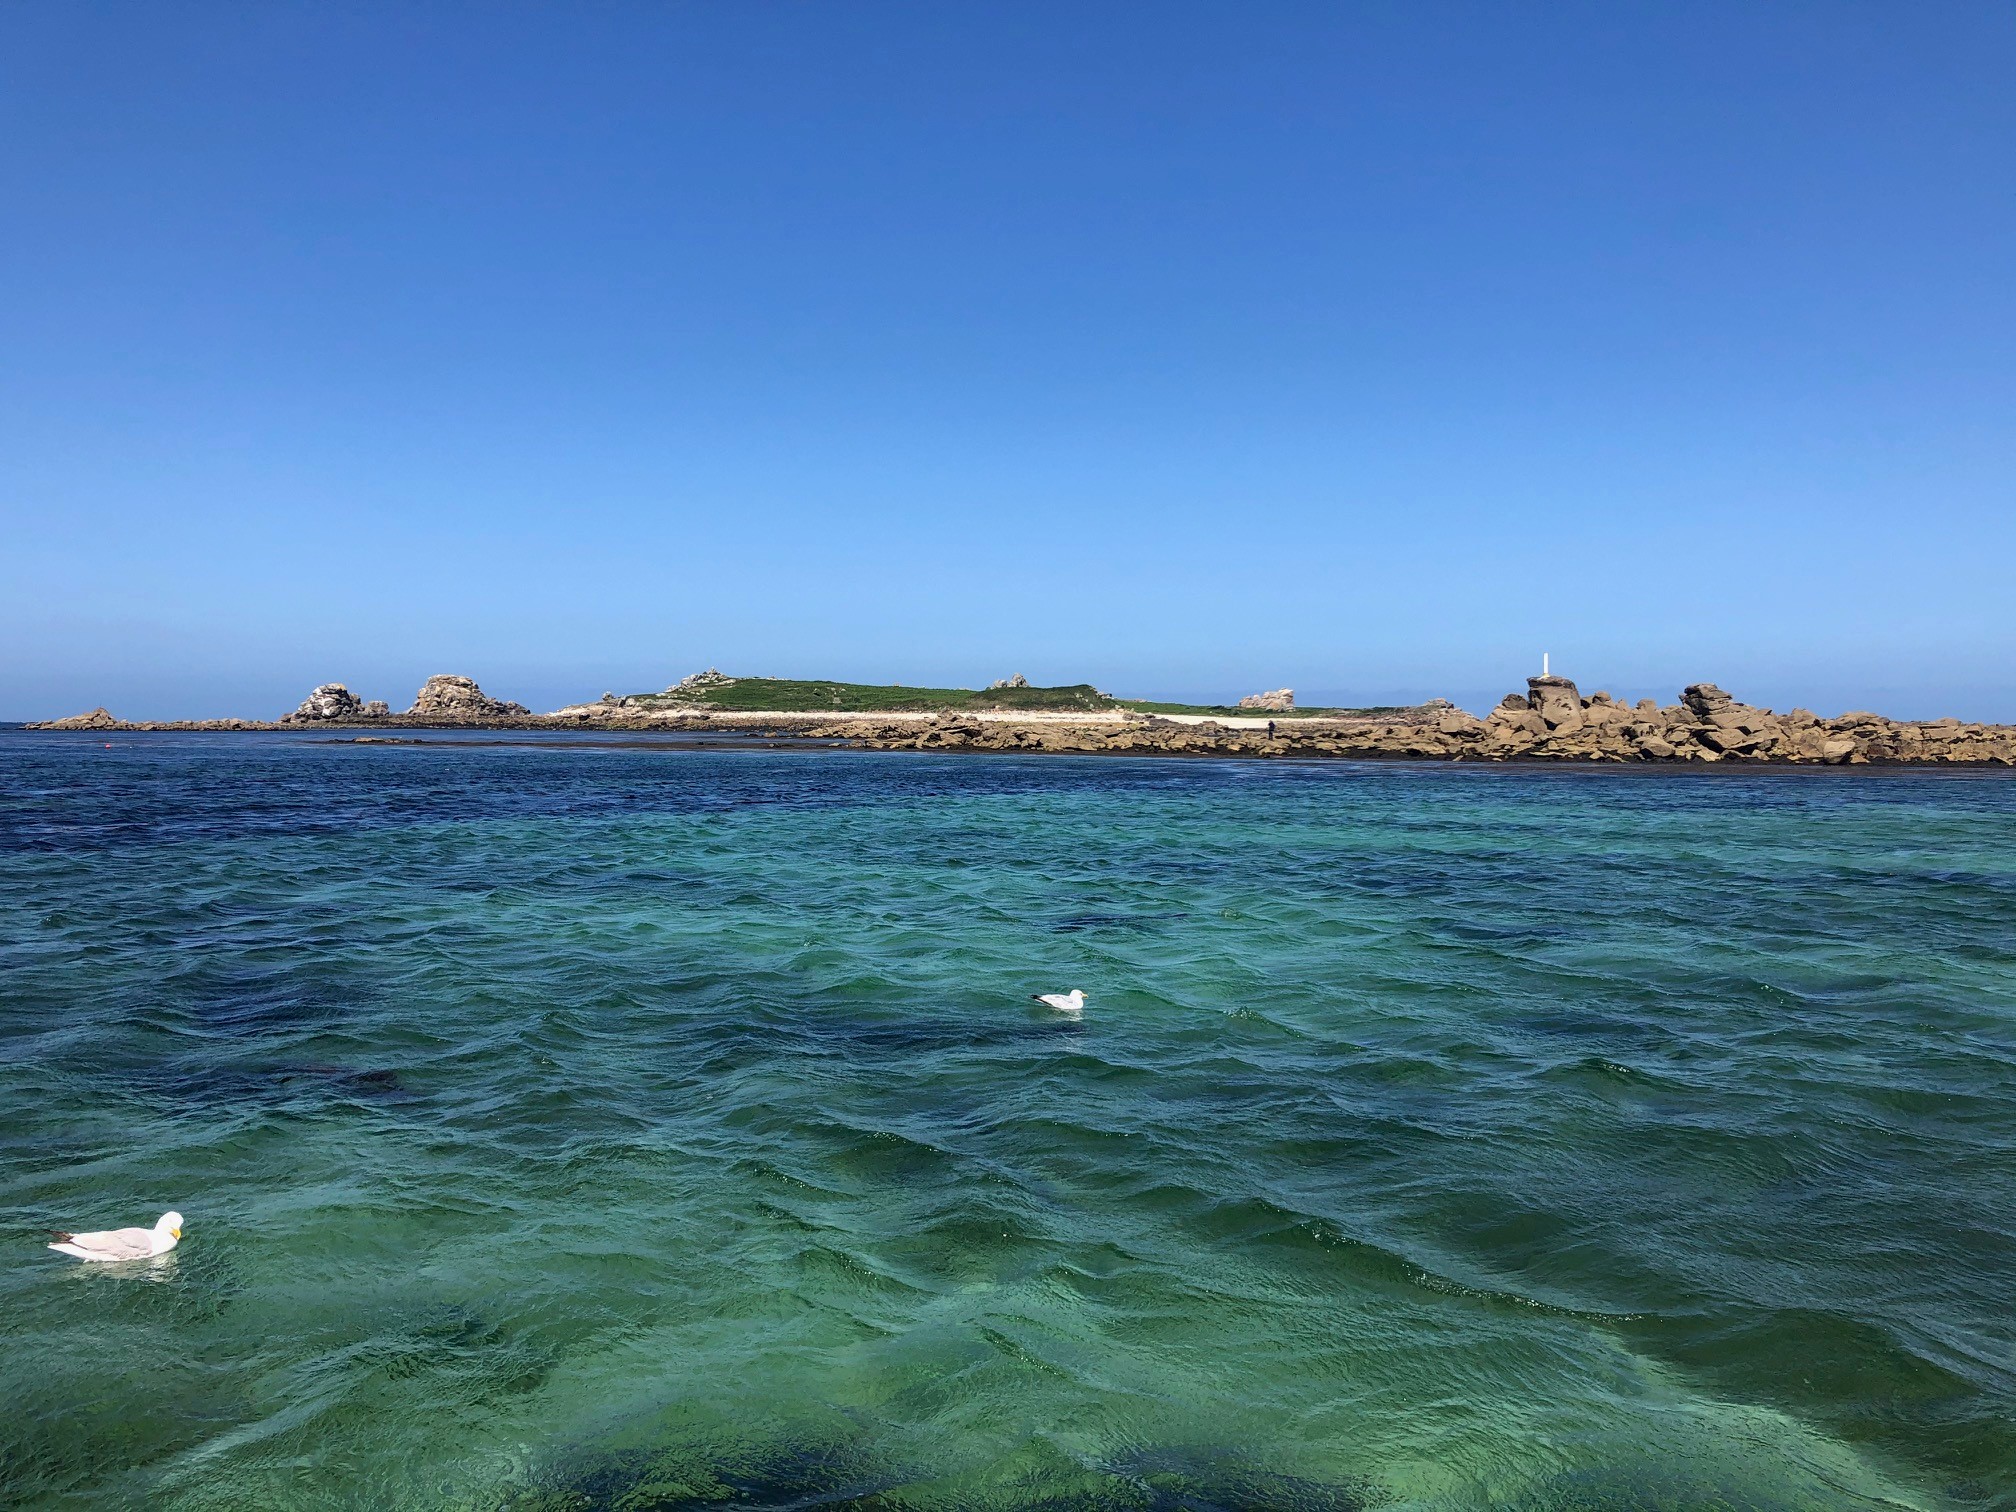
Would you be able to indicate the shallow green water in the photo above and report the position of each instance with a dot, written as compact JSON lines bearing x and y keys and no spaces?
{"x":632,"y":1127}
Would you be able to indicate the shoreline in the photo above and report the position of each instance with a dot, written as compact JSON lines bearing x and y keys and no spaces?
{"x":1552,"y":722}
{"x":772,"y":736}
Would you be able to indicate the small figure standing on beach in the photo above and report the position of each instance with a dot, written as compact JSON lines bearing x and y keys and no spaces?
{"x":1270,"y":729}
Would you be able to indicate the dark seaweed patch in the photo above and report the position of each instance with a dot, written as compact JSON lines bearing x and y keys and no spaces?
{"x":675,"y":1479}
{"x":278,"y":1009}
{"x":1135,"y":923}
{"x":1224,"y":1481}
{"x":828,"y":1476}
{"x":180,"y":1082}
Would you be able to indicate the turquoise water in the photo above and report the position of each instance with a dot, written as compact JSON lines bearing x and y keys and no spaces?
{"x":631,"y":1126}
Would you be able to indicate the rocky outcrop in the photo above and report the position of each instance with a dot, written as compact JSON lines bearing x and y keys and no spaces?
{"x":1280,"y":701}
{"x":1552,"y":722}
{"x":458,"y":700}
{"x":1017,"y":681}
{"x":99,"y":718}
{"x":333,"y":701}
{"x":1409,"y":733}
{"x":1556,"y":701}
{"x":699,"y":681}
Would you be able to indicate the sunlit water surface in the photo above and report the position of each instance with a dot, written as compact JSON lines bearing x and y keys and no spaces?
{"x":618,"y":1126}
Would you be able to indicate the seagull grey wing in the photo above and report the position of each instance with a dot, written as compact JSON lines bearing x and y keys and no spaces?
{"x":117,"y":1244}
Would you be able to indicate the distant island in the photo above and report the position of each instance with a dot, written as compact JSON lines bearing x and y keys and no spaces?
{"x":717,"y":692}
{"x":1551,"y":721}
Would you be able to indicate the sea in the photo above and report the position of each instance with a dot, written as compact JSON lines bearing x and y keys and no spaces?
{"x":641,"y":1123}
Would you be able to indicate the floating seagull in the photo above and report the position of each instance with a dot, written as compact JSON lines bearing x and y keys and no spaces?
{"x":1064,"y":1002}
{"x":123,"y":1244}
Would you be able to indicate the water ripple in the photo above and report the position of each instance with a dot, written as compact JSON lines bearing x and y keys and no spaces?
{"x":632,"y":1127}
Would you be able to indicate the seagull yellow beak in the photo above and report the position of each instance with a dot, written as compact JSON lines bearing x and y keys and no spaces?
{"x":176,"y":1232}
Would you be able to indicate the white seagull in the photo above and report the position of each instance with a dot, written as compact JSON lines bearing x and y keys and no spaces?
{"x":1064,"y":1002}
{"x":123,"y":1244}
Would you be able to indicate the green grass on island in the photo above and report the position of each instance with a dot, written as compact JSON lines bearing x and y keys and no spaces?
{"x":783,"y":695}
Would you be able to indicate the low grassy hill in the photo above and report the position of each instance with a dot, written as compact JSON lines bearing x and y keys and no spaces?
{"x":785,"y":695}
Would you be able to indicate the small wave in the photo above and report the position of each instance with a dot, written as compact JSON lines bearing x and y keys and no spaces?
{"x":1126,"y":923}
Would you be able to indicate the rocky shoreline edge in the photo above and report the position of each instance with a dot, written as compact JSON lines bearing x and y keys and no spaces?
{"x":1551,"y":721}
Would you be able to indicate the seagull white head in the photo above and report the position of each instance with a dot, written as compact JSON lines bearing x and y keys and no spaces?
{"x":170,"y":1224}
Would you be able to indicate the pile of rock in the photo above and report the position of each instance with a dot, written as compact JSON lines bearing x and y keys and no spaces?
{"x":699,"y":681}
{"x":458,"y":700}
{"x":100,"y":718}
{"x":1552,"y":720}
{"x":333,"y":701}
{"x":1017,"y":681}
{"x":1280,"y":701}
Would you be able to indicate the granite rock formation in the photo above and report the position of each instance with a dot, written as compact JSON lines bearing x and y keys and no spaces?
{"x":698,"y":681}
{"x":1280,"y":701}
{"x":1551,"y":721}
{"x":1557,"y":703}
{"x":1554,"y":722}
{"x":1017,"y":681}
{"x":458,"y":700}
{"x":333,"y":701}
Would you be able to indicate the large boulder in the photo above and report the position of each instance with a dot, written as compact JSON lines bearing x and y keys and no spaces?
{"x":1705,"y":700}
{"x":1017,"y":681}
{"x":451,"y":697}
{"x":1510,"y":724}
{"x":99,"y":718}
{"x":334,"y":701}
{"x":1556,"y":701}
{"x":1279,"y":701}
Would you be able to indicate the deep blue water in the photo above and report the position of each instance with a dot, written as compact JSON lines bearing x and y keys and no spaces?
{"x":631,"y":1124}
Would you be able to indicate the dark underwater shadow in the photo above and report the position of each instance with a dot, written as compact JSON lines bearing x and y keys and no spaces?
{"x":180,"y":1083}
{"x":1124,"y":923}
{"x":767,"y":1478}
{"x":874,"y":1038}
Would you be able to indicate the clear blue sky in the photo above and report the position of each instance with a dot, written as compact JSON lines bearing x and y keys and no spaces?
{"x":1188,"y":349}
